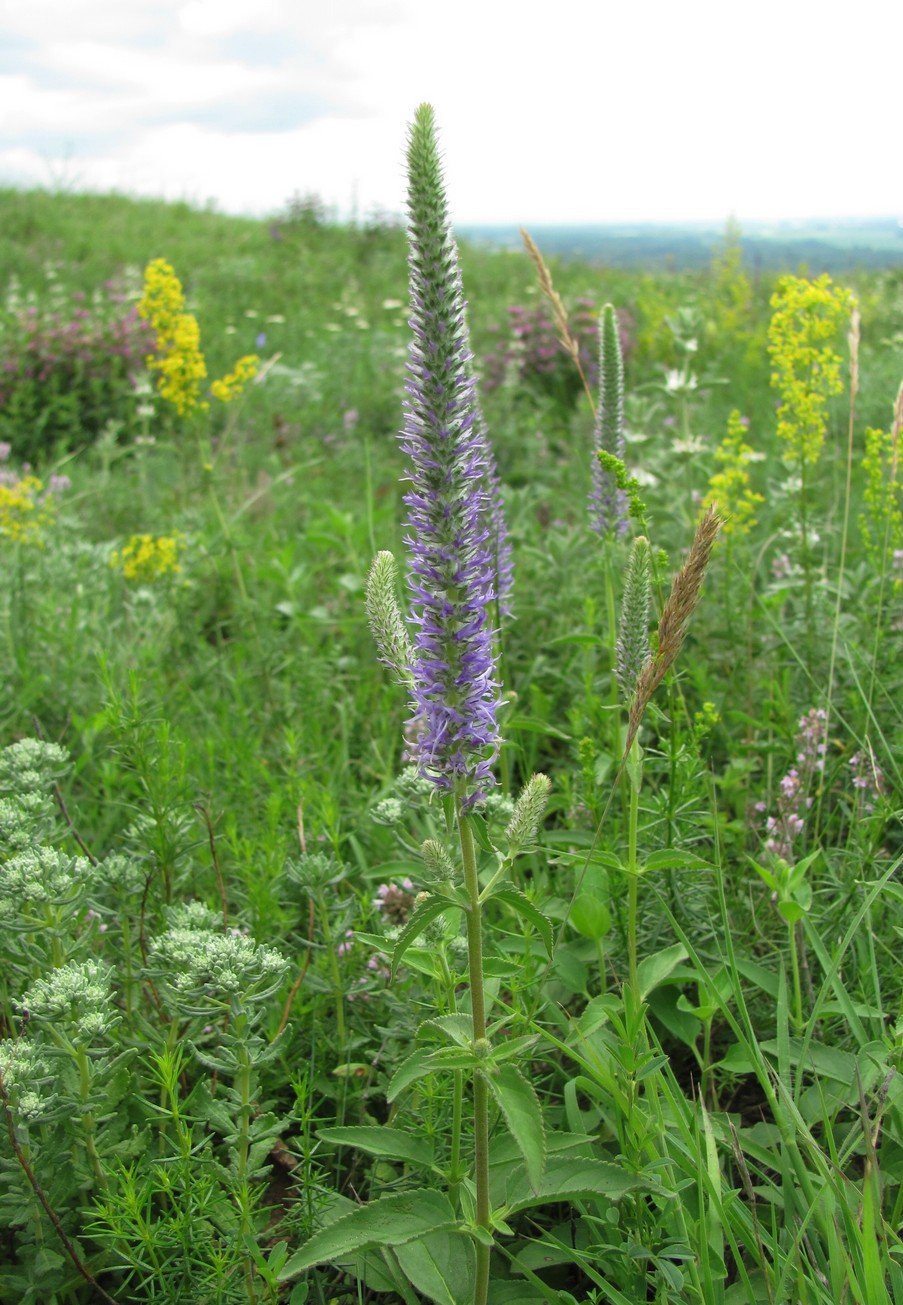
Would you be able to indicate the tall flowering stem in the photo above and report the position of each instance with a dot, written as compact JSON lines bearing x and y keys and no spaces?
{"x":455,"y":685}
{"x":608,"y":503}
{"x":455,"y":551}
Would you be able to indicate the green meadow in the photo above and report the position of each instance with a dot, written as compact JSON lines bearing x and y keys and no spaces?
{"x":237,"y":1050}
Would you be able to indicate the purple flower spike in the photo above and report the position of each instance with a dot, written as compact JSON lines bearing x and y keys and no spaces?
{"x":452,"y":537}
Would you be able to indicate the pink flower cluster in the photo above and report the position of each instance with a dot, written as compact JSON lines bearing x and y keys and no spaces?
{"x":787,"y":824}
{"x":532,"y":354}
{"x":67,"y":367}
{"x":868,"y":779}
{"x":395,"y":903}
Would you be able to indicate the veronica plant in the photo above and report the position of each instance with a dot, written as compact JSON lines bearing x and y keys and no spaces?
{"x":446,"y":655}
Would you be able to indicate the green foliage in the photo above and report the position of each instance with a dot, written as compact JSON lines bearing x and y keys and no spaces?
{"x":214,"y":859}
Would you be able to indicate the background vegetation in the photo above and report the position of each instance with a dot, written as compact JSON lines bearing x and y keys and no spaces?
{"x":234,"y":838}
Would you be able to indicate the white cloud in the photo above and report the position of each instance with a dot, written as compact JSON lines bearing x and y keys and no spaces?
{"x":588,"y":115}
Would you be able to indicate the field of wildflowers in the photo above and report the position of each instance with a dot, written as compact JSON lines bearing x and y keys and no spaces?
{"x":450,"y":779}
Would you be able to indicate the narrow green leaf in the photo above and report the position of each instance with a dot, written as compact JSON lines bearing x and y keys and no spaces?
{"x":391,"y":1143}
{"x":423,"y":1062}
{"x":520,"y":1107}
{"x":390,"y":1221}
{"x":441,"y":1266}
{"x":521,"y":903}
{"x":424,"y":915}
{"x":672,"y":858}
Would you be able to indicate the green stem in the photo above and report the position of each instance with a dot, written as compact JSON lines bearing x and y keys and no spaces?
{"x":243,"y":1149}
{"x":634,"y":775}
{"x":480,"y":1090}
{"x":454,"y":1162}
{"x":797,"y":985}
{"x":336,"y":976}
{"x":88,"y":1121}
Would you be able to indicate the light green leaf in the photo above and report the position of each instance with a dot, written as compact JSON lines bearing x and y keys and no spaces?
{"x":520,"y":1107}
{"x":450,"y":1028}
{"x":391,"y":1143}
{"x":569,"y":1179}
{"x":390,"y":1221}
{"x":423,"y":1062}
{"x":653,"y":970}
{"x":672,"y":858}
{"x":590,"y":916}
{"x":441,"y":1266}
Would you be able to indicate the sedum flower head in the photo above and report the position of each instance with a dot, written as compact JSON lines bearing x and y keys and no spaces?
{"x":455,"y":695}
{"x":75,"y":999}
{"x":730,"y":489}
{"x":25,"y":1071}
{"x":632,"y":644}
{"x":199,"y":966}
{"x":806,"y":370}
{"x":31,"y":764}
{"x":39,"y":876}
{"x":608,"y":505}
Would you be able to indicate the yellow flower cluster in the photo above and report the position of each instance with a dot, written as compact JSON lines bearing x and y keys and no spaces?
{"x":806,"y":372}
{"x":23,"y":515}
{"x":178,"y":359}
{"x":881,"y":523}
{"x":730,"y":489}
{"x":231,"y":386}
{"x":147,"y":557}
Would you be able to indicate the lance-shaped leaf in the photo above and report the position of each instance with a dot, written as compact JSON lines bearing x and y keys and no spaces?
{"x":441,"y":1266}
{"x":391,"y":1143}
{"x":428,"y":911}
{"x":390,"y":1221}
{"x":520,"y":1107}
{"x":519,"y":902}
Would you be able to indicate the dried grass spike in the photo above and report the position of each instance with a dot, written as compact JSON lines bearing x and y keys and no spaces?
{"x":675,"y":618}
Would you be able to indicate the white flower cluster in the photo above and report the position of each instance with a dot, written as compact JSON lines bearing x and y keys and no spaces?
{"x":76,"y":996}
{"x":198,"y":962}
{"x":40,"y":875}
{"x":31,"y":764}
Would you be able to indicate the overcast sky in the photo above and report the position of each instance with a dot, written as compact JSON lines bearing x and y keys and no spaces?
{"x":594,"y":112}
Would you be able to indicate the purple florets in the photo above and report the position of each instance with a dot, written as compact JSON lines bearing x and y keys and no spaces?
{"x":455,"y":686}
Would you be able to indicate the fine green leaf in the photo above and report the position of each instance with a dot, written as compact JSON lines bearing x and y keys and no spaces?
{"x":391,"y":1143}
{"x":520,"y":1107}
{"x":390,"y":1221}
{"x":520,"y":903}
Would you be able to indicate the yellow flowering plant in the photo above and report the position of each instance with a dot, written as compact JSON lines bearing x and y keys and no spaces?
{"x":730,"y":489}
{"x":178,"y":360}
{"x":807,"y":316}
{"x":145,"y":558}
{"x":23,"y":513}
{"x":881,"y":523}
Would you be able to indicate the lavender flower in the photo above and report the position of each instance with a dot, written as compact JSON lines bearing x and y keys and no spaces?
{"x":455,"y":693}
{"x":607,"y":503}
